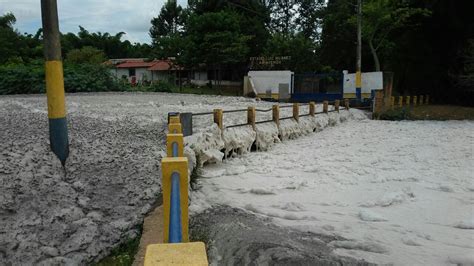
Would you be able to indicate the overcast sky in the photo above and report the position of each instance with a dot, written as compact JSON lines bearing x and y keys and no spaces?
{"x":130,"y":16}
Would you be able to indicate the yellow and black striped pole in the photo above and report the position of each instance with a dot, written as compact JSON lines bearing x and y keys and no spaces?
{"x":58,"y":135}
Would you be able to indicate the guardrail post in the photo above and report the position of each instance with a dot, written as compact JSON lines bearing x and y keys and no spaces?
{"x":296,"y":111}
{"x":251,"y":116}
{"x":421,"y":100}
{"x":336,"y":105}
{"x":174,"y":145}
{"x":346,"y":103}
{"x":427,"y":99}
{"x":175,"y":199}
{"x":174,"y":119}
{"x":276,"y":114}
{"x":325,"y":106}
{"x":174,"y":124}
{"x":407,"y":100}
{"x":415,"y":100}
{"x":218,"y":118}
{"x":400,"y":101}
{"x":312,"y":108}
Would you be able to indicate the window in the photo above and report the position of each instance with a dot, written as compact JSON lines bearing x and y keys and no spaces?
{"x":131,"y":72}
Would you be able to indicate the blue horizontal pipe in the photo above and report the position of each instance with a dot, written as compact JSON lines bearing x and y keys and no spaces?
{"x":175,"y":231}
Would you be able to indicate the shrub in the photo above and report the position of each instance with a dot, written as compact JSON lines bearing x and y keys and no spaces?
{"x":161,"y":86}
{"x":395,"y":114}
{"x":22,"y":79}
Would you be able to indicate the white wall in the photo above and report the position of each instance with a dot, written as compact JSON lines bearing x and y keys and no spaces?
{"x":139,"y":72}
{"x":200,"y":75}
{"x":370,"y":81}
{"x":160,"y":75}
{"x":269,"y":80}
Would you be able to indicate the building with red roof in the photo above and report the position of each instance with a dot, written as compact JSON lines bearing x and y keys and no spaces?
{"x":141,"y":70}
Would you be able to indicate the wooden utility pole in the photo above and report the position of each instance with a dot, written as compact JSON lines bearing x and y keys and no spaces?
{"x":359,"y":52}
{"x":58,"y":135}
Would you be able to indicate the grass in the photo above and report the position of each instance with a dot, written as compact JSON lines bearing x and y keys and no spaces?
{"x":429,"y":112}
{"x":167,"y":87}
{"x":205,"y":91}
{"x":122,"y":255}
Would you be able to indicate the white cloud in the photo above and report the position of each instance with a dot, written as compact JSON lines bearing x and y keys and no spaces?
{"x":130,"y":16}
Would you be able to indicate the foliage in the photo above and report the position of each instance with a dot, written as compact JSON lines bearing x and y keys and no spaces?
{"x":29,"y":78}
{"x":215,"y":38}
{"x":124,"y":254}
{"x":395,"y":114}
{"x":85,"y":55}
{"x":168,"y":22}
{"x":301,"y":50}
{"x":161,"y":87}
{"x":381,"y":17}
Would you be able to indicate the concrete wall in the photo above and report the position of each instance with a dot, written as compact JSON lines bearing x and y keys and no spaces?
{"x":370,"y":81}
{"x":264,"y":81}
{"x":200,"y":75}
{"x":222,"y":82}
{"x":159,"y":76}
{"x":139,"y":73}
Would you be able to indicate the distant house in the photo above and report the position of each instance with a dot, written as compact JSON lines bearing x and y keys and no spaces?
{"x":140,"y":70}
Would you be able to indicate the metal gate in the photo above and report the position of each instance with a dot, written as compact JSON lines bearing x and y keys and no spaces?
{"x":317,"y":87}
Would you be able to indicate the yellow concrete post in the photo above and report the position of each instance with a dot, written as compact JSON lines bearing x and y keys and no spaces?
{"x":174,"y":138}
{"x":325,"y":106}
{"x":400,"y":101}
{"x":170,"y":165}
{"x":392,"y":102}
{"x":415,"y":100}
{"x":346,"y":103}
{"x":218,"y":118}
{"x":175,"y":129}
{"x":312,"y":108}
{"x":174,"y":119}
{"x":251,"y":116}
{"x":427,"y":99}
{"x":421,"y":100}
{"x":193,"y":253}
{"x":296,"y":111}
{"x":336,"y":105}
{"x":407,"y":100}
{"x":276,"y":114}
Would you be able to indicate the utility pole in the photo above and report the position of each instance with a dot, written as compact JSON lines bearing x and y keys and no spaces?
{"x":359,"y":52}
{"x":58,"y":135}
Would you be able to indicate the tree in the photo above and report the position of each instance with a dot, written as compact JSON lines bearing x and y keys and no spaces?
{"x":86,"y":55}
{"x":168,"y":21}
{"x":309,"y":17}
{"x":338,"y":37}
{"x":301,"y":50}
{"x":215,"y":39}
{"x":283,"y":13}
{"x":381,"y":17}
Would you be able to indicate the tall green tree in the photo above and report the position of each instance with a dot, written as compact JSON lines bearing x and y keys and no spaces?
{"x":86,"y":55}
{"x":309,"y":18}
{"x":168,"y":22}
{"x":381,"y":17}
{"x":216,"y":40}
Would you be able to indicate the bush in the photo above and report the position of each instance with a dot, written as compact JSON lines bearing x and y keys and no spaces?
{"x":161,"y":86}
{"x":22,"y":79}
{"x":19,"y":79}
{"x":395,"y":114}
